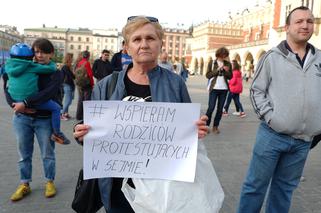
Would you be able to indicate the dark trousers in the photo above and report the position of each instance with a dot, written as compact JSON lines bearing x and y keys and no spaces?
{"x":119,"y":204}
{"x":236,"y":99}
{"x":84,"y":94}
{"x":219,"y":96}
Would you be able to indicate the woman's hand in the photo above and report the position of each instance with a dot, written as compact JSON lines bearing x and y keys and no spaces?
{"x":202,"y":128}
{"x":80,"y":131}
{"x":226,"y":68}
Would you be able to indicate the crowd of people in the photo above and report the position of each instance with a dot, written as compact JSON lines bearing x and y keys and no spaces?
{"x":40,"y":96}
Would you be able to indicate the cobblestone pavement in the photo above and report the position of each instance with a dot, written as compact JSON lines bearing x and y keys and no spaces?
{"x":229,"y":151}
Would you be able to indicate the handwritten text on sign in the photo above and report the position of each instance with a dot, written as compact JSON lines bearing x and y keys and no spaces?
{"x":141,"y":139}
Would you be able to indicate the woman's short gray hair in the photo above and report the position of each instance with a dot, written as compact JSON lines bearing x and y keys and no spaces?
{"x":138,"y":22}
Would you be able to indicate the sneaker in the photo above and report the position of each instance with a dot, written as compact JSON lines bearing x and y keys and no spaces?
{"x":236,"y":113}
{"x":225,"y":114}
{"x":63,"y":118}
{"x":216,"y":130}
{"x":242,"y":114}
{"x":60,"y":138}
{"x":50,"y":189}
{"x":22,"y":190}
{"x":302,"y":179}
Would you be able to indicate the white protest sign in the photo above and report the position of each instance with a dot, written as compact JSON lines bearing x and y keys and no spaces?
{"x":141,"y":140}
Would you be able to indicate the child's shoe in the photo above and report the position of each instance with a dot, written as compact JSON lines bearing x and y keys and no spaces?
{"x":60,"y":138}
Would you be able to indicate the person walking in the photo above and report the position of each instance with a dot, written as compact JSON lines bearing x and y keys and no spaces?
{"x":236,"y":88}
{"x":143,"y":80}
{"x":68,"y":85}
{"x":283,"y":98}
{"x":218,"y":73}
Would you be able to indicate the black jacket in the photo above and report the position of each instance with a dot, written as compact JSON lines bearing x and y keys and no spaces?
{"x":101,"y":69}
{"x":116,"y":61}
{"x":68,"y":76}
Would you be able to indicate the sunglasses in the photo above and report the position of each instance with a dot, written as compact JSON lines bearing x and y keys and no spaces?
{"x":150,"y":18}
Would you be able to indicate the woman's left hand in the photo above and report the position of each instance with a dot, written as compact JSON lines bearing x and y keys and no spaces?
{"x":202,"y":127}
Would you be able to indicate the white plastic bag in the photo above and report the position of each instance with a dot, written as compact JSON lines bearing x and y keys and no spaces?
{"x":163,"y":196}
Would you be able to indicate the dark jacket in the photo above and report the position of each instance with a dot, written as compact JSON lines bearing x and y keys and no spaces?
{"x":49,"y":89}
{"x":68,"y":76}
{"x":116,"y":61}
{"x":102,"y":68}
{"x":213,"y":71}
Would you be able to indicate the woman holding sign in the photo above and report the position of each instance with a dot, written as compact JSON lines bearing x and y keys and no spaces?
{"x":143,"y":80}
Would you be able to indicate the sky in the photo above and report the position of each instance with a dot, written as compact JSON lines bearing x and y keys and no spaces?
{"x":104,"y":14}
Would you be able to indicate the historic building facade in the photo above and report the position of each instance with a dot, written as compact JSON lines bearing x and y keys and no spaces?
{"x":77,"y":40}
{"x":8,"y":36}
{"x":105,"y":39}
{"x":262,"y":27}
{"x":68,"y":40}
{"x":174,"y":43}
{"x":56,"y":35}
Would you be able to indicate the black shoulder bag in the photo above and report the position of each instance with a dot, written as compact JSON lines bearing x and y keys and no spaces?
{"x":87,"y":195}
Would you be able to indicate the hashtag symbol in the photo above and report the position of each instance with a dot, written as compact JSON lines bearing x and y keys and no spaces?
{"x":97,"y":110}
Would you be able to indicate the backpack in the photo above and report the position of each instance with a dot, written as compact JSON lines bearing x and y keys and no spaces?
{"x":81,"y":77}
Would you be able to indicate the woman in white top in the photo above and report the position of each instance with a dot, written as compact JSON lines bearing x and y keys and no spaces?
{"x":218,"y":73}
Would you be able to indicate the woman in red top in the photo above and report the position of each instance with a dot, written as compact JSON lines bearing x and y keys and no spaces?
{"x":236,"y":87}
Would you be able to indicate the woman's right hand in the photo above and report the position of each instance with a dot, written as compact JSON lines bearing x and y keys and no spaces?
{"x":80,"y":131}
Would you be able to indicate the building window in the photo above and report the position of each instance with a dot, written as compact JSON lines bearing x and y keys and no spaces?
{"x":287,"y":10}
{"x":71,"y":38}
{"x":112,"y":41}
{"x":106,"y":40}
{"x":98,"y":39}
{"x":247,"y":38}
{"x":79,"y":38}
{"x":87,"y":48}
{"x":71,"y":47}
{"x":106,"y":47}
{"x":87,"y":39}
{"x":79,"y":47}
{"x":257,"y":36}
{"x":98,"y":47}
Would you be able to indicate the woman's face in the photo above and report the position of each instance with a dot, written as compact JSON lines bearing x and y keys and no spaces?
{"x":144,"y":45}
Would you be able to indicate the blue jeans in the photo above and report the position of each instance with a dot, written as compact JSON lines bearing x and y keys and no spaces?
{"x":68,"y":97}
{"x":25,"y":127}
{"x":277,"y":160}
{"x":236,"y":99}
{"x":112,"y":197}
{"x":105,"y":186}
{"x":219,"y":95}
{"x":55,"y":108}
